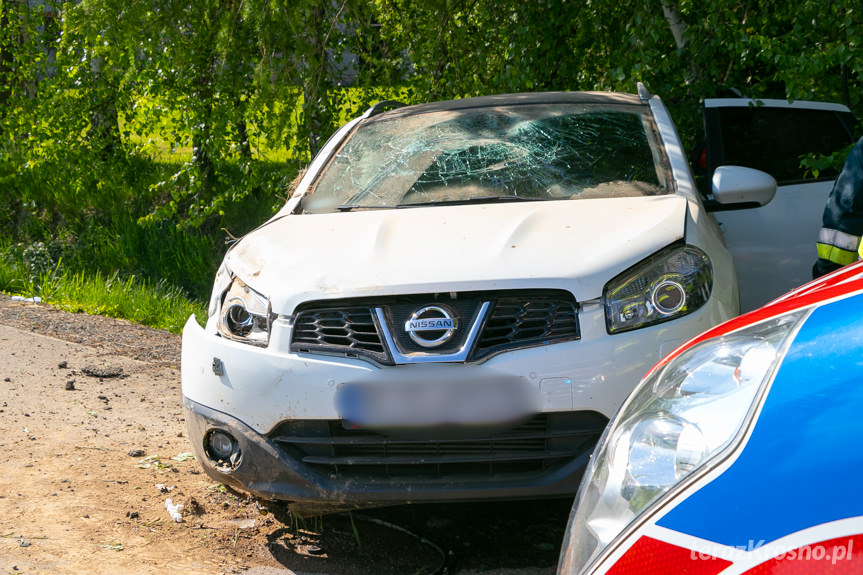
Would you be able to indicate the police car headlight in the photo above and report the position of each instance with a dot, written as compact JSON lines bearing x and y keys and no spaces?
{"x":672,"y":283}
{"x":244,"y":315}
{"x":680,"y":418}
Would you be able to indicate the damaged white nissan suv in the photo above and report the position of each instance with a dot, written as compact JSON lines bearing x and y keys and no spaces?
{"x":455,"y":301}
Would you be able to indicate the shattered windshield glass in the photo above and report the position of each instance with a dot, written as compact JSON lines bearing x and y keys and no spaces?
{"x":520,"y":152}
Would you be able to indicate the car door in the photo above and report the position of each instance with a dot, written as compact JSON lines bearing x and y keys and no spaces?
{"x":773,"y":246}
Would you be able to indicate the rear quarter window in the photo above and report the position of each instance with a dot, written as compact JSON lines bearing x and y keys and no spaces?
{"x":775,"y":139}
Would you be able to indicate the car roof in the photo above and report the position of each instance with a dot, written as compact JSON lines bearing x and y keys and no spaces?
{"x":514,"y":100}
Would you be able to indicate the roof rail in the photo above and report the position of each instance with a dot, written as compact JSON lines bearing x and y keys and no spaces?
{"x":382,"y":107}
{"x":643,"y":92}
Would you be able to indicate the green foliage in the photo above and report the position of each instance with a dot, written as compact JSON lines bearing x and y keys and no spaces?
{"x":133,"y":133}
{"x":815,"y":164}
{"x":157,"y":305}
{"x":757,"y":48}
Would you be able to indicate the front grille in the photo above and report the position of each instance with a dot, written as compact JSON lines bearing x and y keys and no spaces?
{"x":464,"y":309}
{"x":351,"y":330}
{"x":520,"y":322}
{"x":544,"y":443}
{"x":516,"y":319}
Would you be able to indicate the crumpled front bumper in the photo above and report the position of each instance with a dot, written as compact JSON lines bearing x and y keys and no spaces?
{"x":267,"y":471}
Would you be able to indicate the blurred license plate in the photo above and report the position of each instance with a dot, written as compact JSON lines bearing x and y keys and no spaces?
{"x":413,"y":405}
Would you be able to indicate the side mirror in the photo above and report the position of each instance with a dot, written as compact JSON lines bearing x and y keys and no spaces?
{"x":739,"y":185}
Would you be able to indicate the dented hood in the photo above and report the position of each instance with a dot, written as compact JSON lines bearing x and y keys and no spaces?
{"x":577,"y":245}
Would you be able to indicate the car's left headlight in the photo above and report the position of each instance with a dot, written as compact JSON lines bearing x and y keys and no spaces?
{"x":682,"y":416}
{"x":243,"y":314}
{"x":672,"y":283}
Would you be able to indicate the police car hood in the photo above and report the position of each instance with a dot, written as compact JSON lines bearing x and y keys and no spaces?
{"x":576,"y":245}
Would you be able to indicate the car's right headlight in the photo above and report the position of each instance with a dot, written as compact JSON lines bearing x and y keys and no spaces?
{"x":682,"y":416}
{"x":672,"y":283}
{"x":242,"y":314}
{"x":220,"y":285}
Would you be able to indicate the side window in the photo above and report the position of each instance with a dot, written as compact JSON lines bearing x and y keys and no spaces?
{"x":774,"y":139}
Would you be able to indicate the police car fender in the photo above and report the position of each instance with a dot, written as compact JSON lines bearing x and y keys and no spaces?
{"x":788,"y":492}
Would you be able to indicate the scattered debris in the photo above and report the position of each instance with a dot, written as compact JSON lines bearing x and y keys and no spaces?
{"x":34,"y":299}
{"x":175,"y":511}
{"x":185,"y":456}
{"x":104,"y":371}
{"x":165,"y":489}
{"x":152,"y":461}
{"x":113,"y":546}
{"x":243,"y":523}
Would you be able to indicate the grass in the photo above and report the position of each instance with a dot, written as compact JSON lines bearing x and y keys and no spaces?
{"x":77,"y":239}
{"x":157,"y":305}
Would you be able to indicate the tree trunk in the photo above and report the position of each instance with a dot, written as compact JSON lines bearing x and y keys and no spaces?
{"x":242,"y":129}
{"x":104,"y":121}
{"x":201,"y":157}
{"x":678,"y":28}
{"x":316,"y":103}
{"x":312,"y":86}
{"x":204,"y":91}
{"x":675,"y":22}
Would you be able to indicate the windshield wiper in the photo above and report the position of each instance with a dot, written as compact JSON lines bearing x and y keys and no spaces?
{"x":351,"y":207}
{"x":477,"y":200}
{"x":473,"y":200}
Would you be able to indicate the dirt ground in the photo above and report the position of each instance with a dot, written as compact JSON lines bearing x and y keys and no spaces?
{"x":92,"y":430}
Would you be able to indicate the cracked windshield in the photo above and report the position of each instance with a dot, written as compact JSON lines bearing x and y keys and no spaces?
{"x":493,"y":154}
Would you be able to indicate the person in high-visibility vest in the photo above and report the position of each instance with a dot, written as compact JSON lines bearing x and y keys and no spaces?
{"x":839,"y":239}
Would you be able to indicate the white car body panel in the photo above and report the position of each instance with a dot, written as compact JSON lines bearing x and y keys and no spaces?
{"x":577,"y":245}
{"x":773,"y":246}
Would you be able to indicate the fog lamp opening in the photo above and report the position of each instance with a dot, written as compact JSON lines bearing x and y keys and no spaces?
{"x":222,"y":448}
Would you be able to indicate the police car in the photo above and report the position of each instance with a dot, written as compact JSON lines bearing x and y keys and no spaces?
{"x":738,"y":454}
